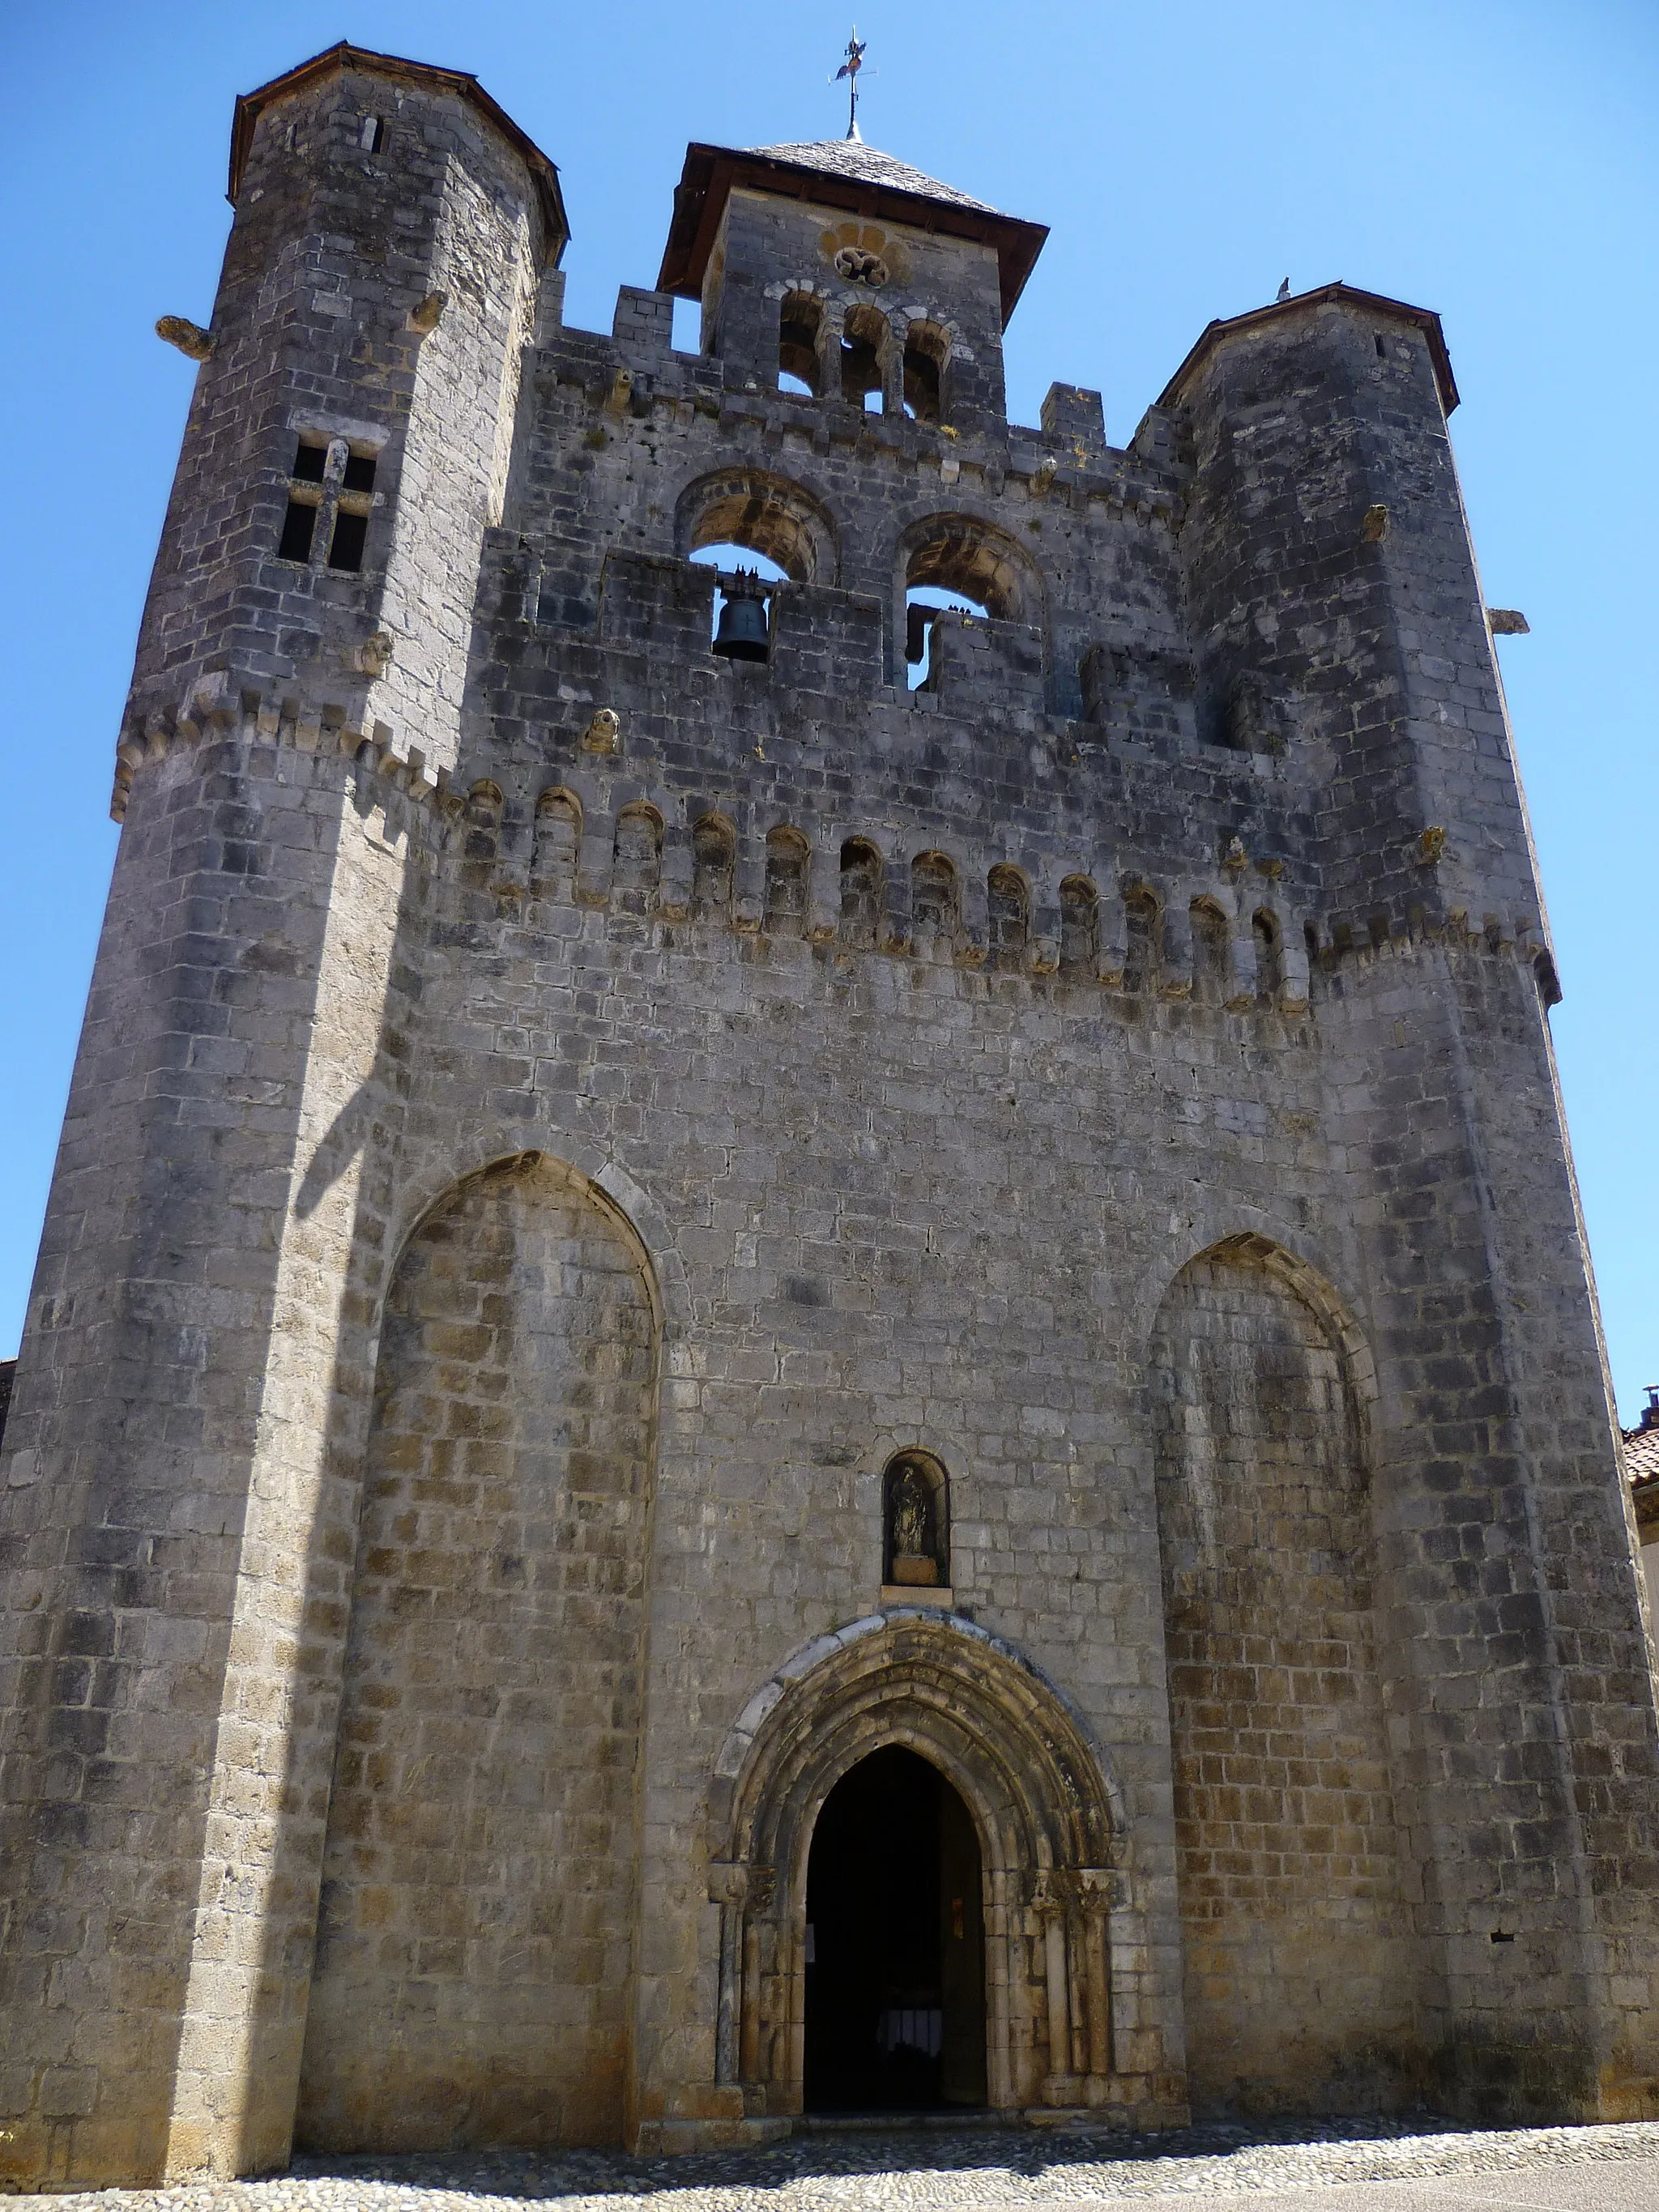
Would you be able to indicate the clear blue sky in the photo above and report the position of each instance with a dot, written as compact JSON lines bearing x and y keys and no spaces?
{"x":1496,"y":160}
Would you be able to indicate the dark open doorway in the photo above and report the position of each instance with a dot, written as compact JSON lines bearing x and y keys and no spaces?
{"x":895,"y":1944}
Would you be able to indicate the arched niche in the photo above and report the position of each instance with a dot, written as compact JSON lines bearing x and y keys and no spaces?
{"x":1079,"y":929}
{"x":915,"y":1519}
{"x":636,"y":866}
{"x":863,"y":883}
{"x":1302,"y":1970}
{"x":1049,"y":1823}
{"x":788,"y":864}
{"x":480,"y":1834}
{"x":771,"y":515}
{"x":714,"y":868}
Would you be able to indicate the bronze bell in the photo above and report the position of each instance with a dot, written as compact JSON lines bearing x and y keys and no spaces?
{"x":743,"y":634}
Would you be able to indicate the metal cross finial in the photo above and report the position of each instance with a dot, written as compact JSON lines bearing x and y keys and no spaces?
{"x":850,"y":70}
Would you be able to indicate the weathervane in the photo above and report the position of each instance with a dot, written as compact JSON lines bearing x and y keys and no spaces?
{"x":850,"y":70}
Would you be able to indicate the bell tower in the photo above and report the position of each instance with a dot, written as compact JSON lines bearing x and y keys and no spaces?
{"x":851,"y":275}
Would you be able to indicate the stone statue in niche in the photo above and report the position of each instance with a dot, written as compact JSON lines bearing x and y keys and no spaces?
{"x":912,"y":1527}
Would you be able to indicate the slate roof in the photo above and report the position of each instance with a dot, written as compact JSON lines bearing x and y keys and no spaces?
{"x":836,"y":172}
{"x":851,"y":157}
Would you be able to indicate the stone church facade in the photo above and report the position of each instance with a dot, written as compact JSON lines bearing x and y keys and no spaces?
{"x":661,"y":1254}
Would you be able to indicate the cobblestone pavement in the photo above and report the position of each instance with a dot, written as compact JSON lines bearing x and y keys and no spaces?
{"x":1418,"y":2164}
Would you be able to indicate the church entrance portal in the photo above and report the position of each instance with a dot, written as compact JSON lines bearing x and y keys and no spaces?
{"x":895,"y":1943}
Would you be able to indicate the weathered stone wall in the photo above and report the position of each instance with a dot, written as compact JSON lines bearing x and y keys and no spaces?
{"x":921,"y":1039}
{"x":172,"y":1513}
{"x":478,"y":1893}
{"x":1301,"y":1952}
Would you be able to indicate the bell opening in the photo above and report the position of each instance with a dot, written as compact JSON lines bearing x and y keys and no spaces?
{"x":743,"y":600}
{"x":741,"y":630}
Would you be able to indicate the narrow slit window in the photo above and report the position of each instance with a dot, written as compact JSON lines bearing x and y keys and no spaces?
{"x":299,"y":526}
{"x":372,"y":137}
{"x":345,"y":548}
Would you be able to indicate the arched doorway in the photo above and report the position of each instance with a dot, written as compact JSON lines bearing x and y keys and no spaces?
{"x":895,"y":1943}
{"x":1050,"y":1828}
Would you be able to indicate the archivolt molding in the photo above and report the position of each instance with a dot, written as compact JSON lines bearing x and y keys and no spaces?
{"x":1052,"y":1826}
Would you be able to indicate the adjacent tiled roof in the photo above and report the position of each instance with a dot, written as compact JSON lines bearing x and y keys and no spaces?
{"x":1642,"y":1470}
{"x":836,"y":172}
{"x":851,"y":157}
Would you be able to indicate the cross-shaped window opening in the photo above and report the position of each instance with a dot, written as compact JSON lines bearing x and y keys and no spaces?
{"x":329,"y":484}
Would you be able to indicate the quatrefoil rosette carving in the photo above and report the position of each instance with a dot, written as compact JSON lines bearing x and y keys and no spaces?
{"x":859,"y":266}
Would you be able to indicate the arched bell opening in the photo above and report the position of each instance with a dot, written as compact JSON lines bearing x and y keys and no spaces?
{"x":1046,"y":1824}
{"x":895,"y":1944}
{"x":926,"y":350}
{"x":865,"y":342}
{"x":800,"y":345}
{"x":743,"y":599}
{"x":758,"y":531}
{"x":956,"y":564}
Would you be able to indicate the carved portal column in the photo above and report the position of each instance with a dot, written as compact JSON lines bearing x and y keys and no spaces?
{"x":744,"y":1895}
{"x":1072,"y":1906}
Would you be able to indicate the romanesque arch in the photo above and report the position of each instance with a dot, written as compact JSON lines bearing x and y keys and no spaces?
{"x":1301,"y":1962}
{"x":772,"y":515}
{"x":1050,"y":1826}
{"x":479,"y":1879}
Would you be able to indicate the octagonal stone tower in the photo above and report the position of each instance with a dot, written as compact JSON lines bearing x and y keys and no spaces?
{"x":682,"y":1189}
